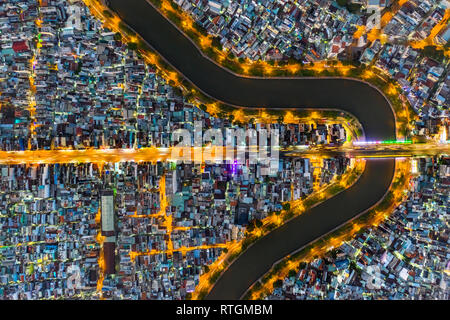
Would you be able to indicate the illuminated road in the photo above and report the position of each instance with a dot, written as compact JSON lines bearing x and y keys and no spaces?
{"x":83,"y":156}
{"x":373,"y":151}
{"x":170,"y":154}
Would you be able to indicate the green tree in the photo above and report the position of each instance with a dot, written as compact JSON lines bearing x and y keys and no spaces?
{"x":118,"y":36}
{"x":433,"y":53}
{"x":108,"y":13}
{"x":126,"y":29}
{"x":334,"y":253}
{"x":216,"y":43}
{"x":292,"y":273}
{"x":278,"y":284}
{"x":255,"y":223}
{"x":280,"y":119}
{"x":132,"y":46}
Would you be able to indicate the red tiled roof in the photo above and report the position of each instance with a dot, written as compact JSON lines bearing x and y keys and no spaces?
{"x":335,"y":49}
{"x":20,"y":46}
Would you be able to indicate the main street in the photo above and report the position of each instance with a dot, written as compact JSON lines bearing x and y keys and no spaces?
{"x":394,"y":150}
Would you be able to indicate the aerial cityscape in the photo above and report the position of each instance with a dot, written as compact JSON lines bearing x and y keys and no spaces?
{"x":224,"y":150}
